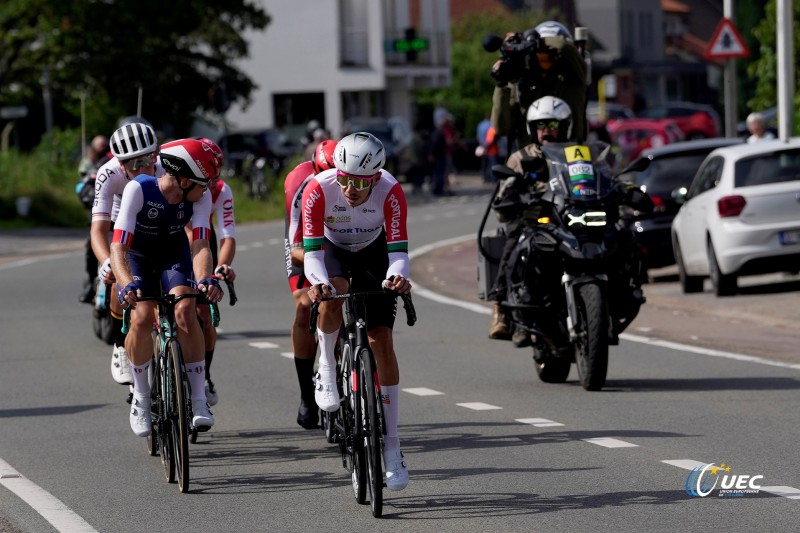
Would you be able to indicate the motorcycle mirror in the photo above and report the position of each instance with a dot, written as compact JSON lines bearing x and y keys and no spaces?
{"x":502,"y":172}
{"x":636,"y":166}
{"x":492,"y":42}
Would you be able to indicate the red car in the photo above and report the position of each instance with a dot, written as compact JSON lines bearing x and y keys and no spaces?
{"x":696,"y":121}
{"x":633,"y":135}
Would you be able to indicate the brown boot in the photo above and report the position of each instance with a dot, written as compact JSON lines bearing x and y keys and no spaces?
{"x":499,"y":327}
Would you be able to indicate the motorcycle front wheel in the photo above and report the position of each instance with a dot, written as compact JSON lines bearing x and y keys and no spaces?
{"x":591,"y":349}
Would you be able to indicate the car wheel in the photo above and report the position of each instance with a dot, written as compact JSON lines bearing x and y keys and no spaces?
{"x":724,"y":284}
{"x":689,"y":284}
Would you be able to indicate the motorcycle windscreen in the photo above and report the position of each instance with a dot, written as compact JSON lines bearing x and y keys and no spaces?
{"x":577,"y":171}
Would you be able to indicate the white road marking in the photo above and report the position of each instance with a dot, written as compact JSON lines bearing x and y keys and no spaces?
{"x":273,"y":241}
{"x":48,"y":506}
{"x":422,"y":391}
{"x":485,"y":310}
{"x":288,"y":355}
{"x":686,"y":464}
{"x":257,"y":245}
{"x":478,"y":406}
{"x":539,"y":422}
{"x":263,"y":345}
{"x":786,"y":492}
{"x":608,"y":442}
{"x":233,"y":336}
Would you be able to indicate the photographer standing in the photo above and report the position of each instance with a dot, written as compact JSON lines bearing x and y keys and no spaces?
{"x":539,"y":62}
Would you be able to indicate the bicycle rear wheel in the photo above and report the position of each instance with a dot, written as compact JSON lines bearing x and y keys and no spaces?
{"x":178,"y":414}
{"x":371,"y":430}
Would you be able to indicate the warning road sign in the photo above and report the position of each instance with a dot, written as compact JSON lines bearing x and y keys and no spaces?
{"x":726,"y":42}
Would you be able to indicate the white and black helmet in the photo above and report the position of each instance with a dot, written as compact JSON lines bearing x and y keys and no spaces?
{"x":359,"y":154}
{"x":550,"y":108}
{"x":132,"y":140}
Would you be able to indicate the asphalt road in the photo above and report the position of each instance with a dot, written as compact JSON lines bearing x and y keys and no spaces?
{"x":490,"y":448}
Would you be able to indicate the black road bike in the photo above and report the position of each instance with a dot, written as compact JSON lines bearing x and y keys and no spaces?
{"x":102,"y":322}
{"x":170,"y":391}
{"x":358,"y":425}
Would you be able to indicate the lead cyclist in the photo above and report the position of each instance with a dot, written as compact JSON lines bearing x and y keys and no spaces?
{"x":354,"y":224}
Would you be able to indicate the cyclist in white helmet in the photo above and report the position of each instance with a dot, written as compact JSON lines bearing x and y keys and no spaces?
{"x":354,"y":226}
{"x":135,"y":147}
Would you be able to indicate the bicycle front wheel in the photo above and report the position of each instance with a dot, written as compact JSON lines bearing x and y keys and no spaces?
{"x":371,"y":429}
{"x":352,"y":447}
{"x":178,"y":414}
{"x":164,"y":432}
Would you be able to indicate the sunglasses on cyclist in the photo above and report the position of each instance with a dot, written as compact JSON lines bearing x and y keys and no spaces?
{"x":203,"y":184}
{"x":138,"y":162}
{"x":546,"y":124}
{"x":360,"y":183}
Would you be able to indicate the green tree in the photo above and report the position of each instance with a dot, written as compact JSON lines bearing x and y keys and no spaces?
{"x":178,"y":53}
{"x":765,"y":68}
{"x":469,"y":96}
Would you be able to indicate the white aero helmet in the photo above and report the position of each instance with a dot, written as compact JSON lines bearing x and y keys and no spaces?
{"x":132,"y":140}
{"x":359,"y":154}
{"x":550,"y":108}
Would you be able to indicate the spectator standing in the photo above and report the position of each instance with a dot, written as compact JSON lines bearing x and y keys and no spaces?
{"x":757,"y":126}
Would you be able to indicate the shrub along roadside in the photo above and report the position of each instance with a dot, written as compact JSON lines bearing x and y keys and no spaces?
{"x":48,"y":176}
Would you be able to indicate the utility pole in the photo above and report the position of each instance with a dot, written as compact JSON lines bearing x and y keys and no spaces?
{"x":785,"y":66}
{"x":729,"y":82}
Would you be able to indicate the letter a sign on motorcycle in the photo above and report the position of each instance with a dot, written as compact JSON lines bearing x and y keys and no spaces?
{"x":581,"y":170}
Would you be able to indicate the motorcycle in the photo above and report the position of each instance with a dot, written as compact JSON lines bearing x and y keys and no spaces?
{"x":574,"y":274}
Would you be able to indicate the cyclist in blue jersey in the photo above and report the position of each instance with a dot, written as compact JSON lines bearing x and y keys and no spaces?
{"x":150,"y":252}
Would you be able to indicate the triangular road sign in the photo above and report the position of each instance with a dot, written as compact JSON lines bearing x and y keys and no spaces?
{"x":726,"y":42}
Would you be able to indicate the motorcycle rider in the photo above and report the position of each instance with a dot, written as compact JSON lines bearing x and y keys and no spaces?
{"x":549,"y":119}
{"x":553,"y":66}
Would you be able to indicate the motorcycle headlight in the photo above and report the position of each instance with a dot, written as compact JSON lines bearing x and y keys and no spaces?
{"x":579,"y":218}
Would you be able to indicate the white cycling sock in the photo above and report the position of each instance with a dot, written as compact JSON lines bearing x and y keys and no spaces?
{"x":197,"y":379}
{"x":141,"y":383}
{"x":327,"y":347}
{"x":390,"y":394}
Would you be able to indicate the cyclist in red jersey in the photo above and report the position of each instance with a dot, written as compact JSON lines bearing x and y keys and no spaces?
{"x":222,"y":207}
{"x":354,"y":226}
{"x":304,"y":343}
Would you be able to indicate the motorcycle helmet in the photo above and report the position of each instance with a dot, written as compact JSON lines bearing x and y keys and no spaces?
{"x":359,"y":154}
{"x":550,"y":108}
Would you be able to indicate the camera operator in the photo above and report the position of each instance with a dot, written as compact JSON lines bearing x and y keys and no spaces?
{"x":542,"y":61}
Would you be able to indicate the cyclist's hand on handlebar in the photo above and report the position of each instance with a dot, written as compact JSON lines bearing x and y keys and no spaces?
{"x":398,"y":284}
{"x":317,"y":292}
{"x":128,"y":294}
{"x":225,"y":272}
{"x":210,"y":287}
{"x":104,"y":272}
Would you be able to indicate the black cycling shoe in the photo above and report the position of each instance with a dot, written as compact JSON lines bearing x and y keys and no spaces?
{"x":308,"y":415}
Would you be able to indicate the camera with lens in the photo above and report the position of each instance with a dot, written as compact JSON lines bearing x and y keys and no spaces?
{"x":517,"y":53}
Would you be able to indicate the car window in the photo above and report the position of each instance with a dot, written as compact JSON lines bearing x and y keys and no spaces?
{"x":668,"y":173}
{"x":681,"y":112}
{"x":707,"y":177}
{"x":768,"y":168}
{"x":654,"y":112}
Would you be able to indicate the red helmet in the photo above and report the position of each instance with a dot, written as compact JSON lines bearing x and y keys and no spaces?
{"x":217,"y":152}
{"x":190,"y":159}
{"x":323,"y":156}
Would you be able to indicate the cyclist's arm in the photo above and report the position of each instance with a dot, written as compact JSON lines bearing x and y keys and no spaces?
{"x":395,"y":213}
{"x":124,"y":228}
{"x":313,"y":212}
{"x":226,"y":223}
{"x":104,"y":185}
{"x":201,"y":233}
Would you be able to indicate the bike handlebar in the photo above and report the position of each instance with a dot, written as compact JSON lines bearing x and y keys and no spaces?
{"x":408,"y":305}
{"x":172,"y":299}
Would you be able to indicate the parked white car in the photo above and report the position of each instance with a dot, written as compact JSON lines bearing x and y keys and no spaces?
{"x":740,"y":216}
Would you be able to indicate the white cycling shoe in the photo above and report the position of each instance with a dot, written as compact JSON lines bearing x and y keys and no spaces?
{"x":325,"y":392}
{"x":140,"y":416}
{"x":120,"y":366}
{"x":202,"y":418}
{"x":396,"y":469}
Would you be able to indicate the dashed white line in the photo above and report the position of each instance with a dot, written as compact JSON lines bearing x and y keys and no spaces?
{"x":539,"y":422}
{"x":263,"y":345}
{"x":422,"y":391}
{"x":686,"y":464}
{"x":786,"y":492}
{"x":608,"y":442}
{"x":288,"y":355}
{"x":233,"y":336}
{"x":478,"y":406}
{"x":48,"y":506}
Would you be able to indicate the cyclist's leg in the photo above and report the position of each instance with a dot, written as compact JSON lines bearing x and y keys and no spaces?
{"x":209,"y":331}
{"x":304,"y":346}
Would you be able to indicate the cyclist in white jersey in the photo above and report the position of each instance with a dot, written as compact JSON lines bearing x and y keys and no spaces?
{"x":135,"y":148}
{"x":354,"y":227}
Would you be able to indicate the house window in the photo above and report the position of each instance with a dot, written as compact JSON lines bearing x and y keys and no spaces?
{"x":353,"y":33}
